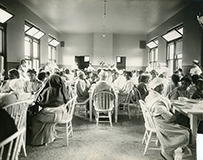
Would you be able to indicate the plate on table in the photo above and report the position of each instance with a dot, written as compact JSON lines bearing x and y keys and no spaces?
{"x":193,"y":101}
{"x":178,"y":103}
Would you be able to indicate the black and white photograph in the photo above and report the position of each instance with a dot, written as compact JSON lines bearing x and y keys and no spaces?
{"x":101,"y":79}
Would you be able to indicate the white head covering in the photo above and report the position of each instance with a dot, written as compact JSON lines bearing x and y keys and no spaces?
{"x":103,"y":75}
{"x":195,"y":61}
{"x":156,"y":82}
{"x":17,"y":85}
{"x":79,"y":73}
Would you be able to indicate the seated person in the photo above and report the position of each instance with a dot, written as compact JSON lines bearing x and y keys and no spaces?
{"x":120,"y":81}
{"x":129,"y":83}
{"x":82,"y":87}
{"x":102,"y":85}
{"x":12,"y":74}
{"x":16,"y":94}
{"x":142,"y":86}
{"x":175,"y":79}
{"x":170,"y":135}
{"x":33,"y":85}
{"x":181,"y":91}
{"x":52,"y":99}
{"x":42,"y":76}
{"x":8,"y":128}
{"x":198,"y":93}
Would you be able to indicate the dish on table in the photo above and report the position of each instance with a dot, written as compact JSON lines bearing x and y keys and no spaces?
{"x":178,"y":103}
{"x":193,"y":101}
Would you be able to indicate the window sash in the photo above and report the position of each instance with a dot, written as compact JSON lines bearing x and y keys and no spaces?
{"x":1,"y":41}
{"x":35,"y":49}
{"x":51,"y":53}
{"x":32,"y":52}
{"x":174,"y":55}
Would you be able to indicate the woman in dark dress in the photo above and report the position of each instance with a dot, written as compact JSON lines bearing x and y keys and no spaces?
{"x":52,"y":99}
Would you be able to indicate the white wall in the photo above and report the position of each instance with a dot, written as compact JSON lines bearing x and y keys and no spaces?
{"x":106,"y":49}
{"x":103,"y":49}
{"x":75,"y":45}
{"x":129,"y":47}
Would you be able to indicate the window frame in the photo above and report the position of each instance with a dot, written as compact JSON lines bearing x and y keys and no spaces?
{"x":3,"y":53}
{"x":174,"y":59}
{"x":32,"y":58}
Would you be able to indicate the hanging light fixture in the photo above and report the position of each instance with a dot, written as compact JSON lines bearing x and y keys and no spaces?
{"x":4,"y":15}
{"x":104,"y":17}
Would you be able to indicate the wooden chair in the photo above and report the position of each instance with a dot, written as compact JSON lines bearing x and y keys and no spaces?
{"x":103,"y":104}
{"x":10,"y":147}
{"x":67,"y":118}
{"x":149,"y":129}
{"x":132,"y":100}
{"x":18,"y":111}
{"x":81,"y":106}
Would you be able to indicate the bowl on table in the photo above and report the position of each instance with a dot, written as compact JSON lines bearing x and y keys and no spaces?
{"x":182,"y":99}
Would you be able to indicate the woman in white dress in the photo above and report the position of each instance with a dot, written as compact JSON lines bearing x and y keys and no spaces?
{"x":170,"y":135}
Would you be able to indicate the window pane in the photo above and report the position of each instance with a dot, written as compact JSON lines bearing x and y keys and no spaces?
{"x":156,"y":55}
{"x":53,"y":53}
{"x":180,"y":30}
{"x":171,"y":51}
{"x":26,"y":27}
{"x":29,"y":62}
{"x":170,"y":66}
{"x":179,"y":63}
{"x":179,"y":47}
{"x":1,"y":64}
{"x":27,"y":47}
{"x":151,"y":55}
{"x":36,"y":64}
{"x":1,"y":41}
{"x":49,"y":52}
{"x":35,"y":50}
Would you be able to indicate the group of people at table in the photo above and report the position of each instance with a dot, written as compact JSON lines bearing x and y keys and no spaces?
{"x":51,"y":90}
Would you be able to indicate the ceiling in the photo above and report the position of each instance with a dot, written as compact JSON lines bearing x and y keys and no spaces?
{"x":122,"y":16}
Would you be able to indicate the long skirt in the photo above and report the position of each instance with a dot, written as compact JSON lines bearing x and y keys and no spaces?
{"x":43,"y":125}
{"x":170,"y":135}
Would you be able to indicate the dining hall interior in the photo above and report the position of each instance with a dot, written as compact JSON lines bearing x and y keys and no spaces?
{"x":101,"y":79}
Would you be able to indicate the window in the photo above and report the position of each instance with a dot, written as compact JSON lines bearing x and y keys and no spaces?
{"x":53,"y":43}
{"x":153,"y":52}
{"x":51,"y":53}
{"x":2,"y":52}
{"x":174,"y":51}
{"x":32,"y":45}
{"x":153,"y":57}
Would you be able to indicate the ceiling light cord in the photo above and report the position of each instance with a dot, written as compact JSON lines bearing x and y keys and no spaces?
{"x":104,"y":17}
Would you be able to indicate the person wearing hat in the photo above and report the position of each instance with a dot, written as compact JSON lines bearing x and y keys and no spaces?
{"x":195,"y":69}
{"x":170,"y":134}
